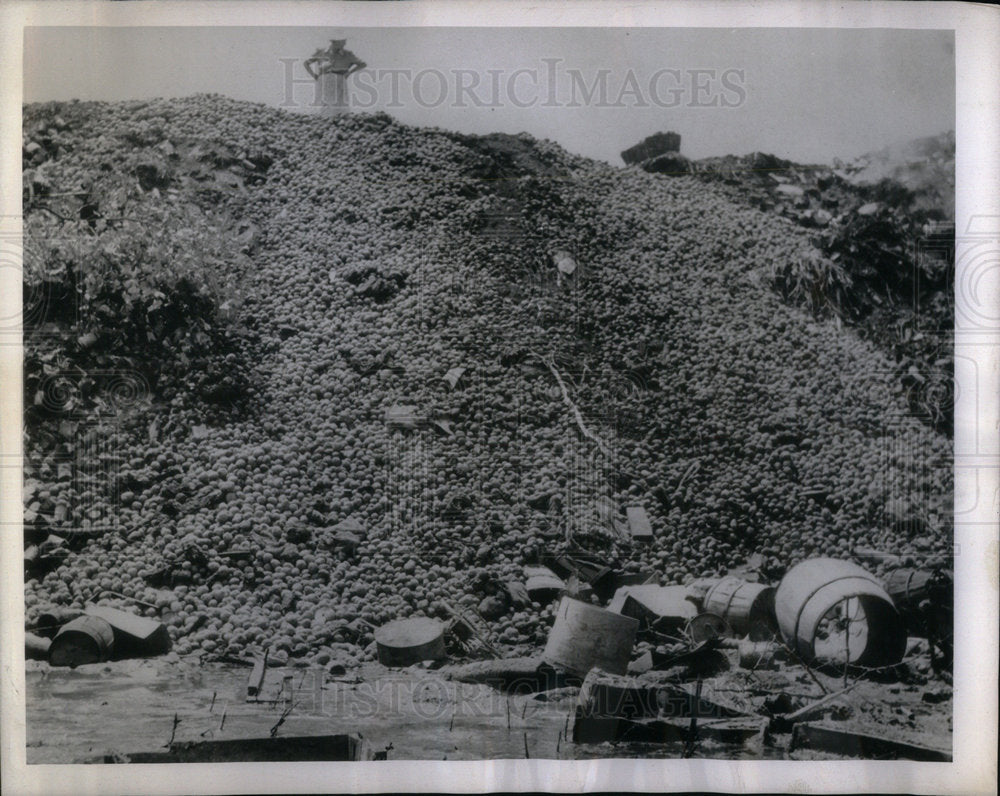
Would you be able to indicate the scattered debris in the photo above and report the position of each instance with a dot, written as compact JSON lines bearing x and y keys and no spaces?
{"x":452,"y":377}
{"x":609,"y":706}
{"x":512,"y":675}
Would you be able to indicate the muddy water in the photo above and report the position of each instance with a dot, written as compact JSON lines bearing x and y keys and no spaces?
{"x":131,"y":706}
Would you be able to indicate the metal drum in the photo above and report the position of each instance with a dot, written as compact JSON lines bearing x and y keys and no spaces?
{"x":584,"y":636}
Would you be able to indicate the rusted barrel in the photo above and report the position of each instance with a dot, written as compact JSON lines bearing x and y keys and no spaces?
{"x":405,"y":642}
{"x":87,"y":639}
{"x":584,"y":636}
{"x":835,"y":612}
{"x":747,"y":607}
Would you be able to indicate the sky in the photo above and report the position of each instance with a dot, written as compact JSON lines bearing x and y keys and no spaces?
{"x":809,"y":95}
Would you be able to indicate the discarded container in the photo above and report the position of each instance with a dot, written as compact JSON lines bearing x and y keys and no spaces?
{"x":747,"y":607}
{"x":405,"y":642}
{"x":543,"y":584}
{"x":662,"y":607}
{"x":836,"y":612}
{"x":584,"y":636}
{"x":87,"y":639}
{"x":135,"y":636}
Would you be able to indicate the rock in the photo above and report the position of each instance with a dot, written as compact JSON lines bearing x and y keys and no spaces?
{"x":869,"y":209}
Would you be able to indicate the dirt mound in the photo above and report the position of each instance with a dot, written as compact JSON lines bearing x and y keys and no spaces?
{"x":383,"y":258}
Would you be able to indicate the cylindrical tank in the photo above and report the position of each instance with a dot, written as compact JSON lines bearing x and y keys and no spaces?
{"x":405,"y":642}
{"x":87,"y":639}
{"x":584,"y":636}
{"x":835,"y":612}
{"x":747,"y":607}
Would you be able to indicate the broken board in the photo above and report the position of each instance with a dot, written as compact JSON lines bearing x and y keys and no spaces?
{"x":307,"y":748}
{"x":638,"y":523}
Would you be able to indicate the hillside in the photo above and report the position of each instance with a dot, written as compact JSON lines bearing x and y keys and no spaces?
{"x":295,"y":291}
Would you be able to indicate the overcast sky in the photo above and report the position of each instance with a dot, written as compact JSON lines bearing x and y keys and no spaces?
{"x":805,"y":94}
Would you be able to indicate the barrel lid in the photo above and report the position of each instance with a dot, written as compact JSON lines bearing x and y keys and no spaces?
{"x":409,"y":632}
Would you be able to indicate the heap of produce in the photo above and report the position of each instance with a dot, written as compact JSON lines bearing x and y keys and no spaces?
{"x":238,"y":327}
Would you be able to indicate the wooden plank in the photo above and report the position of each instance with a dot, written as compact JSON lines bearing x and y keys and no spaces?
{"x":256,"y":680}
{"x":263,"y":750}
{"x":638,"y":523}
{"x":862,"y":745}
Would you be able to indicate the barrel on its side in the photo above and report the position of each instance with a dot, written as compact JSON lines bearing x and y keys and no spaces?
{"x":87,"y":639}
{"x":925,"y":600}
{"x":747,"y":607}
{"x":405,"y":642}
{"x":584,"y":636}
{"x":835,"y":612}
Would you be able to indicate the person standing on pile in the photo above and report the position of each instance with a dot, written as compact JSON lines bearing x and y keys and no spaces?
{"x":331,"y":67}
